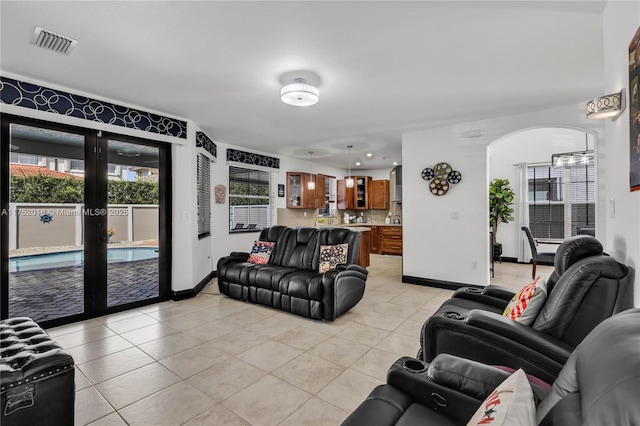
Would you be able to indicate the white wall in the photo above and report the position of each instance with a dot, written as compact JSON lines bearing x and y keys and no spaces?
{"x":530,"y":146}
{"x":437,"y":246}
{"x":620,"y":22}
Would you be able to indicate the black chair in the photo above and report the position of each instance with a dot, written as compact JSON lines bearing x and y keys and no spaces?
{"x":586,"y":293}
{"x":545,"y":258}
{"x":597,"y":386}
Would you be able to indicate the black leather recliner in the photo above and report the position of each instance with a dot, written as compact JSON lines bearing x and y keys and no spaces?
{"x":587,"y":292}
{"x":290,"y":280}
{"x":597,"y":386}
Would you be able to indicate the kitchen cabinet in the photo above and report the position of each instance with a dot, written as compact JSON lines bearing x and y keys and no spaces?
{"x":299,"y":196}
{"x":390,"y":239}
{"x":356,"y":198}
{"x":379,"y":194}
{"x":373,"y":240}
{"x":365,"y":248}
{"x":345,"y":197}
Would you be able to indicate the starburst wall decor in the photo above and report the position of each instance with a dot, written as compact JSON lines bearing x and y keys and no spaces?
{"x":441,"y":178}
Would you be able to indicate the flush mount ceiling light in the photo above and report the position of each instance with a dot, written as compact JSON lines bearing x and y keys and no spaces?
{"x":369,"y":154}
{"x":358,"y":163}
{"x":608,"y":106}
{"x":300,"y":93}
{"x":349,"y":183}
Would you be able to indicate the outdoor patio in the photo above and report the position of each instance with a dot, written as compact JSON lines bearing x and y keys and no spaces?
{"x":47,"y":294}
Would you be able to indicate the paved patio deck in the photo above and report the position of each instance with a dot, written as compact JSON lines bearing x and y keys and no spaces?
{"x":47,"y":294}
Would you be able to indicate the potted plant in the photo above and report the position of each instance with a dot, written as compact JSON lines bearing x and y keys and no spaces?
{"x":500,"y":199}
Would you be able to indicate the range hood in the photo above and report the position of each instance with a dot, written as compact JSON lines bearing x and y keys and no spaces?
{"x":395,"y":185}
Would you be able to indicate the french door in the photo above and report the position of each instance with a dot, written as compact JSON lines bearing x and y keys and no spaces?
{"x":84,"y":221}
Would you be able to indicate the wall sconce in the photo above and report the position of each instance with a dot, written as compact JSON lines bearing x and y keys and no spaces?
{"x":608,"y":106}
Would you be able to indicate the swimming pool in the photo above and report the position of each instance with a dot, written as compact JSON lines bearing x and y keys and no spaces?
{"x":76,"y":258}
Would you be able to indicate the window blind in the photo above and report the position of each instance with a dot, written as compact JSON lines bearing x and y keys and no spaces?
{"x":203,"y":172}
{"x":250,"y":198}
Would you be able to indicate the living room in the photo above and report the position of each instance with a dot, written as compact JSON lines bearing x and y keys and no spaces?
{"x":437,"y":249}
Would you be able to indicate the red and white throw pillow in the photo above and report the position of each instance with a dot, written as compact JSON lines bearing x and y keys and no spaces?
{"x":527,"y":303}
{"x":510,"y":404}
{"x":261,"y":252}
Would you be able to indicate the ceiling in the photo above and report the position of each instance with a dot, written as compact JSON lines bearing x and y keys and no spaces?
{"x":382,"y":68}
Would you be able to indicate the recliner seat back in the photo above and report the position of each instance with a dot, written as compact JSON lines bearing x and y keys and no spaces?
{"x":569,"y":252}
{"x":279,"y":235}
{"x":301,"y":248}
{"x":589,"y":291}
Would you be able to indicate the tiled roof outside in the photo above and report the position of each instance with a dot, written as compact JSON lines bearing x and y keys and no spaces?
{"x":24,"y":170}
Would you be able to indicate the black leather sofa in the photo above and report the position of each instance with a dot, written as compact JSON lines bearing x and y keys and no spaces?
{"x":290,"y":280}
{"x":586,"y":288}
{"x":597,"y":386}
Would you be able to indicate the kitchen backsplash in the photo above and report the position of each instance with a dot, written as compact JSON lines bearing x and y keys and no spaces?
{"x":296,"y":217}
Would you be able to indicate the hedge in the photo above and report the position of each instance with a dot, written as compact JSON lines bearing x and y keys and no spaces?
{"x":48,"y":189}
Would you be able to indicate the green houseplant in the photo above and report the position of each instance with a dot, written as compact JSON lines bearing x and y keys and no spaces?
{"x":500,"y":199}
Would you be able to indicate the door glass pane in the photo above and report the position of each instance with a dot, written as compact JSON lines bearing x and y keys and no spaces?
{"x":133,"y":222}
{"x":46,"y":203}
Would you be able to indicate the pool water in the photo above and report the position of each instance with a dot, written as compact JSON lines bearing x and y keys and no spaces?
{"x":76,"y":258}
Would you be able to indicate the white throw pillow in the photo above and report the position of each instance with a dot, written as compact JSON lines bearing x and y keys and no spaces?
{"x":510,"y":404}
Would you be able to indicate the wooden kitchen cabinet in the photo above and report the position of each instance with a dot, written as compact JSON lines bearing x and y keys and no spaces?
{"x":299,"y":196}
{"x":365,"y":248}
{"x":390,"y":240}
{"x":379,"y":194}
{"x":345,"y":198}
{"x":356,"y":198}
{"x":374,"y":240}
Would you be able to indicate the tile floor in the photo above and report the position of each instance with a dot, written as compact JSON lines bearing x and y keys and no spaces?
{"x":211,"y":360}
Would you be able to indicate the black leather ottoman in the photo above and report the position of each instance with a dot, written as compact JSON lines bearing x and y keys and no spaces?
{"x":36,"y":376}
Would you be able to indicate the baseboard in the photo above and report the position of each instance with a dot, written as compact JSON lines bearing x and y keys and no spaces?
{"x":510,"y":259}
{"x":193,"y":292}
{"x":449,"y":285}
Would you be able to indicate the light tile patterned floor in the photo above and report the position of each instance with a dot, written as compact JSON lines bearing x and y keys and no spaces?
{"x":212,"y":360}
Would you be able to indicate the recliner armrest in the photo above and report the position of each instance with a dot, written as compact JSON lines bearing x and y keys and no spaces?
{"x":546,"y":345}
{"x":417,"y":385}
{"x":239,"y":254}
{"x":491,"y":295}
{"x":499,"y":292}
{"x":469,"y":377}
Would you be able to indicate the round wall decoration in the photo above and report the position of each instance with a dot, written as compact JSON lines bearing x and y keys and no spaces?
{"x":441,"y":178}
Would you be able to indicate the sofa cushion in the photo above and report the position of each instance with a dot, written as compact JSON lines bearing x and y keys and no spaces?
{"x":268,"y":276}
{"x":527,"y":303}
{"x":511,"y":403}
{"x":331,"y":256}
{"x":260,"y":252}
{"x":303,"y":284}
{"x":301,"y":248}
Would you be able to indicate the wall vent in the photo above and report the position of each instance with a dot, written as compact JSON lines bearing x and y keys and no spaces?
{"x":52,"y":41}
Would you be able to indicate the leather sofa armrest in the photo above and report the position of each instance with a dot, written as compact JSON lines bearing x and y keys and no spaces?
{"x":499,"y":292}
{"x":491,"y":295}
{"x":239,"y":254}
{"x":469,"y":377}
{"x":418,"y":386}
{"x":545,"y":344}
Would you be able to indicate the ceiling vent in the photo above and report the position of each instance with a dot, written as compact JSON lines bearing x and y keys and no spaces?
{"x":52,"y":41}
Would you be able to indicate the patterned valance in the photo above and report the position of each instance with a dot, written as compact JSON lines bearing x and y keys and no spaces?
{"x":203,"y":141}
{"x":27,"y":95}
{"x":252,"y":158}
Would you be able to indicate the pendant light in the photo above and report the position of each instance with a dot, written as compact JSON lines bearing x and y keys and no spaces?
{"x":349,"y":182}
{"x":311,"y":185}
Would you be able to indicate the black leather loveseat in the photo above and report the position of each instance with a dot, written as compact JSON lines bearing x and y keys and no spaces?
{"x":290,"y":280}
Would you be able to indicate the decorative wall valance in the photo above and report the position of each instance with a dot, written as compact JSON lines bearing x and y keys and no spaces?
{"x":203,"y":141}
{"x":252,"y":158}
{"x":27,"y":95}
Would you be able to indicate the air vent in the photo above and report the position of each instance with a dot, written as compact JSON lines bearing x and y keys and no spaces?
{"x":52,"y":41}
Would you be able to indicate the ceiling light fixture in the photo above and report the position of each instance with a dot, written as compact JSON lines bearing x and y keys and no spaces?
{"x":311,"y":185}
{"x":300,"y":93}
{"x":395,"y":163}
{"x":349,"y":183}
{"x":576,"y":158}
{"x":369,"y":154}
{"x":358,"y":163}
{"x":608,"y":106}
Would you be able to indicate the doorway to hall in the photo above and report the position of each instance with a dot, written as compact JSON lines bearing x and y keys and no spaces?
{"x":84,"y":221}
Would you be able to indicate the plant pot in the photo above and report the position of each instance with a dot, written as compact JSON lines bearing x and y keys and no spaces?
{"x":497,"y":252}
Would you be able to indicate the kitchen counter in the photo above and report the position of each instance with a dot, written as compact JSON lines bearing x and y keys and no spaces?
{"x":367,"y":224}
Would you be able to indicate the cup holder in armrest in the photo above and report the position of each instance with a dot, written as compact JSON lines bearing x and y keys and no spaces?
{"x":453,"y":315}
{"x":414,"y":365}
{"x":473,"y":290}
